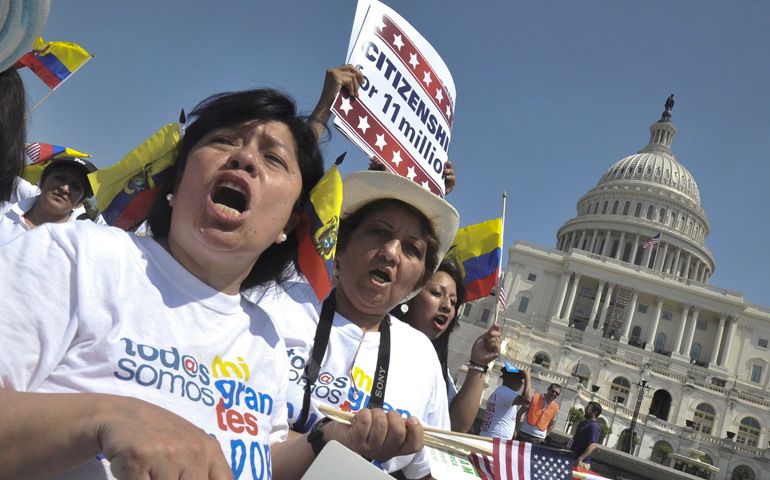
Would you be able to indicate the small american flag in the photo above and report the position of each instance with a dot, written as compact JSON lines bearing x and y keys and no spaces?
{"x":653,"y":241}
{"x":33,"y":152}
{"x":514,"y":460}
{"x":502,"y":293}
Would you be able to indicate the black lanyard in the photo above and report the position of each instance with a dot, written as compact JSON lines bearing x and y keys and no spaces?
{"x":320,"y":343}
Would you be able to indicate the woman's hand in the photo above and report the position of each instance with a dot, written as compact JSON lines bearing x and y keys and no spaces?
{"x":450,"y":180}
{"x":344,"y":76}
{"x":143,"y":441}
{"x":487,"y":347}
{"x":378,"y":435}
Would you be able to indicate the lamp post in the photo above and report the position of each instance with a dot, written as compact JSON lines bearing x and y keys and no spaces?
{"x":631,"y":429}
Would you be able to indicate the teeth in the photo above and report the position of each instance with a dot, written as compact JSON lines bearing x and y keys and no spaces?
{"x":232,"y":185}
{"x":230,"y":211}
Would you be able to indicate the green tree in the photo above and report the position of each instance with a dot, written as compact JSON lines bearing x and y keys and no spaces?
{"x":575,"y":416}
{"x":663,"y":452}
{"x":606,"y":432}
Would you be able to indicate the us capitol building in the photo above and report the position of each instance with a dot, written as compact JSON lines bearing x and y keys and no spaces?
{"x":598,"y":312}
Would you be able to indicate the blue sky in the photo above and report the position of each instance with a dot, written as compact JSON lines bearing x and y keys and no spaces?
{"x":549,"y":95}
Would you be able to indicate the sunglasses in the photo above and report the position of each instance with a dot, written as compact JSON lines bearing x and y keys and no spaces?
{"x":555,"y":393}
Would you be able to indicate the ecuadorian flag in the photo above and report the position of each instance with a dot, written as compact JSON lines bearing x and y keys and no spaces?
{"x":53,"y":62}
{"x":317,"y":232}
{"x":476,"y":253}
{"x":41,"y":155}
{"x":126,"y":191}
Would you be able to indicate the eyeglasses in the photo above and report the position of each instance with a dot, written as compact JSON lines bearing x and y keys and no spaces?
{"x":554,"y":392}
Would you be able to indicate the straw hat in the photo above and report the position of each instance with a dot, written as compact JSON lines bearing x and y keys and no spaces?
{"x":21,"y":21}
{"x":361,"y":188}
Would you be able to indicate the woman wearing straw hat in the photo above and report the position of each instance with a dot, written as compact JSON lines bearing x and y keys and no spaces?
{"x":349,"y":350}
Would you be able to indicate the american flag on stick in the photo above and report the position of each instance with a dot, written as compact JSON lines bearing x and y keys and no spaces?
{"x":653,"y":241}
{"x":514,"y":460}
{"x":502,"y":293}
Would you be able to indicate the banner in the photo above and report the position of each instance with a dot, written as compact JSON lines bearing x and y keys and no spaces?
{"x":405,"y":109}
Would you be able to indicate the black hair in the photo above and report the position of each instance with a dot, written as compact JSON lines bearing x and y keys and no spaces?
{"x":352,"y":221}
{"x":596,"y":407}
{"x":87,"y":190}
{"x":230,"y":109}
{"x":13,"y":131}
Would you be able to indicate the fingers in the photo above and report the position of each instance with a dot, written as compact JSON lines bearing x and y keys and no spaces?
{"x":345,"y":76}
{"x":396,"y":433}
{"x":376,"y":164}
{"x":381,"y":436}
{"x":450,"y":180}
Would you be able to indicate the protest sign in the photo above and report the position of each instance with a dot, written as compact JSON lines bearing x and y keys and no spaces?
{"x":405,"y":109}
{"x":445,"y":465}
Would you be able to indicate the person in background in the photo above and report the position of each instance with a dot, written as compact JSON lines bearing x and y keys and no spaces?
{"x":586,"y":436}
{"x":500,"y":417}
{"x":434,"y":312}
{"x":535,"y":421}
{"x":12,"y":134}
{"x":63,"y":187}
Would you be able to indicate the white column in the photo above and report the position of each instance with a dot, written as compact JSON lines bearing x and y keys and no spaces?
{"x":690,"y":332}
{"x":659,"y":266}
{"x":558,"y":242}
{"x":595,"y":306}
{"x":606,"y":305}
{"x":572,"y":294}
{"x":718,"y":340}
{"x":675,"y":265}
{"x":569,"y":242}
{"x":629,"y":317}
{"x":561,"y":292}
{"x":607,"y":243}
{"x":686,"y":269}
{"x":680,"y":327}
{"x":646,"y":256}
{"x":729,"y":341}
{"x":621,"y":246}
{"x":632,"y":258}
{"x":582,"y":238}
{"x":654,"y":325}
{"x":592,"y":246}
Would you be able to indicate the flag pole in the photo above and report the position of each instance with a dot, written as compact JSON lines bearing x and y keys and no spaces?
{"x":500,"y":262}
{"x":57,"y":86}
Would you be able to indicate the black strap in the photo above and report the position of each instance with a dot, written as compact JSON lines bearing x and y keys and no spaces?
{"x":320,"y":343}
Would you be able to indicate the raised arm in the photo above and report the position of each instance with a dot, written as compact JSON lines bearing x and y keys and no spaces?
{"x":344,"y":76}
{"x":526,"y":396}
{"x":465,"y":406}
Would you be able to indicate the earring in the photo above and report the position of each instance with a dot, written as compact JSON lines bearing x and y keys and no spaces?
{"x":335,"y":272}
{"x":169,"y":197}
{"x":283,"y":237}
{"x":404,"y":308}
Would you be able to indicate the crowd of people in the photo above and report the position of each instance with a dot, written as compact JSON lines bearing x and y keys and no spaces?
{"x":200,"y":350}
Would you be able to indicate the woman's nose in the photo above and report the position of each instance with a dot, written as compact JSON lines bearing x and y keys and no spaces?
{"x":391,"y":249}
{"x":244,"y":159}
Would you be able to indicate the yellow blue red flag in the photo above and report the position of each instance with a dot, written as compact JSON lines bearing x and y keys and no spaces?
{"x":317,"y":232}
{"x":53,"y":62}
{"x":476,"y":253}
{"x":41,"y":155}
{"x":126,"y":191}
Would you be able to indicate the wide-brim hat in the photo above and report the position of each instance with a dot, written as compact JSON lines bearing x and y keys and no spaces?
{"x":21,"y":21}
{"x":84,"y":166}
{"x":361,"y":188}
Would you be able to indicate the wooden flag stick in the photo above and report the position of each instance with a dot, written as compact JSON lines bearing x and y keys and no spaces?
{"x":347,"y":418}
{"x":500,"y":263}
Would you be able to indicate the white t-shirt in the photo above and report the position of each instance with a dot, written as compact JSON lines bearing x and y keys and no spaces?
{"x":100,"y":310}
{"x":451,"y":387}
{"x":500,"y":417}
{"x":415,"y":385}
{"x":12,"y":224}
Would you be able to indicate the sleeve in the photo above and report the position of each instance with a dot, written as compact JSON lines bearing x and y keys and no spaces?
{"x":451,"y":388}
{"x":38,"y":321}
{"x":24,"y":190}
{"x":596,"y":433}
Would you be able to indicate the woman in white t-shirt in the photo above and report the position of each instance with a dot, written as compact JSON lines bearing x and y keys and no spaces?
{"x":392,"y":234}
{"x":137,"y":355}
{"x":434,"y":312}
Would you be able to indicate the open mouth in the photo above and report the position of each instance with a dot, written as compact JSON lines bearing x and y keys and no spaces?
{"x":441,"y":320}
{"x":380,"y":276}
{"x":230,"y":198}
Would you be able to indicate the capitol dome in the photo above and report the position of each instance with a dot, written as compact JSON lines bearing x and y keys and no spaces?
{"x":636,"y":199}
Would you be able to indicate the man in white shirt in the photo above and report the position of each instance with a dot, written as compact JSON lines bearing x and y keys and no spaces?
{"x":500,"y":417}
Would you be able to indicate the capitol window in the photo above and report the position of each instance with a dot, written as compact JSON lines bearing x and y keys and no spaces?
{"x":703,"y":418}
{"x":523,"y":304}
{"x":626,"y":208}
{"x":748,"y":432}
{"x":756,"y":373}
{"x":485,"y":315}
{"x":642,"y":308}
{"x":531,"y":277}
{"x":615,"y":207}
{"x":467,"y":309}
{"x":638,"y":212}
{"x":762,"y":343}
{"x":662,"y":216}
{"x":619,"y":390}
{"x":604,"y":208}
{"x":582,"y":373}
{"x":701,"y":325}
{"x":666,"y":315}
{"x":542,"y":359}
{"x":650,"y":212}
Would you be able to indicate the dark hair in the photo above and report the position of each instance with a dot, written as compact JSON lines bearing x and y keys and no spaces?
{"x":555,"y":385}
{"x":231,"y":109}
{"x":13,"y":131}
{"x":441,"y":344}
{"x":596,"y":407}
{"x":352,"y":221}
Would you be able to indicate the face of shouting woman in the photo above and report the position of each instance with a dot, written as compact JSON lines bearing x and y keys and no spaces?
{"x":235,"y":198}
{"x":433,"y":309}
{"x":382,"y":263}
